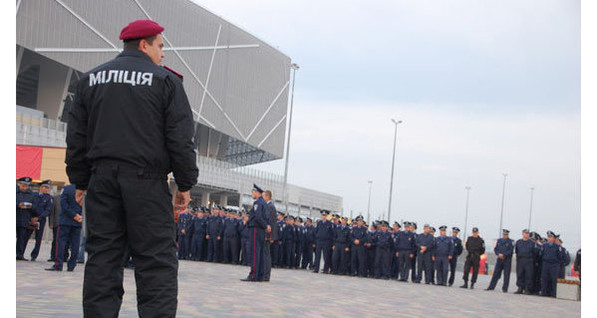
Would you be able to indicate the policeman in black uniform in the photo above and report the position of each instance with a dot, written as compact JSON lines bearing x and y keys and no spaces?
{"x":457,"y":251}
{"x":475,"y":246}
{"x":504,"y":249}
{"x":129,"y":127}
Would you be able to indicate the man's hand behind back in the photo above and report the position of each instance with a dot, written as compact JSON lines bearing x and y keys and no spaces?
{"x":182,"y":199}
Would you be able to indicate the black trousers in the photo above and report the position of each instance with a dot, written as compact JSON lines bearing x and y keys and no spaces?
{"x":231,"y":250}
{"x":358,"y":257}
{"x":424,"y":265}
{"x":325,"y":248}
{"x":268,"y":260}
{"x":307,"y":256}
{"x":383,"y":262}
{"x":471,"y":261}
{"x":453,"y":263}
{"x":340,"y":259}
{"x":404,"y":261}
{"x":125,"y":207}
{"x":525,"y":273}
{"x":504,"y":265}
{"x":441,"y":269}
{"x":38,"y":235}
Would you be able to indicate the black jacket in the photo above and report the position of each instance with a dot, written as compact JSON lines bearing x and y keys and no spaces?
{"x":131,"y":111}
{"x":475,"y":245}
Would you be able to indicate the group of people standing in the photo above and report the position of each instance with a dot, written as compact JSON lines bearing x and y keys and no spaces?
{"x":358,"y":249}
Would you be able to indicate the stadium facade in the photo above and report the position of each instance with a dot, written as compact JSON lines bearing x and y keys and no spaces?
{"x":237,"y":86}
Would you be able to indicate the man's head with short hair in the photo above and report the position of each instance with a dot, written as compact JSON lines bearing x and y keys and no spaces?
{"x":267,"y":195}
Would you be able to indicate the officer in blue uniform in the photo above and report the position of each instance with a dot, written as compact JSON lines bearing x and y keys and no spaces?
{"x":565,"y":259}
{"x":526,"y":251}
{"x":26,"y":204}
{"x":371,"y":248}
{"x":258,"y":223}
{"x":245,"y":239}
{"x":405,"y":250}
{"x":413,"y":261}
{"x":184,"y":225}
{"x":504,"y":249}
{"x":307,"y":261}
{"x":199,"y":230}
{"x":230,"y":240}
{"x":324,"y":235}
{"x":69,"y":230}
{"x":425,"y":245}
{"x":288,"y":239}
{"x":341,"y":248}
{"x":552,"y":259}
{"x":536,"y":289}
{"x":276,"y":247}
{"x":395,"y":231}
{"x":442,"y":254}
{"x":358,"y":254}
{"x":270,"y":236}
{"x":300,"y":241}
{"x":457,"y":251}
{"x":215,"y":227}
{"x":44,"y":207}
{"x":432,"y":232}
{"x":383,"y":251}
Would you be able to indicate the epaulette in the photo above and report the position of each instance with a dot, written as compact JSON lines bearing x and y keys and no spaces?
{"x":174,"y":72}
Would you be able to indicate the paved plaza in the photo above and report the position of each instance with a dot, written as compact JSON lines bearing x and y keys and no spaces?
{"x":214,"y":290}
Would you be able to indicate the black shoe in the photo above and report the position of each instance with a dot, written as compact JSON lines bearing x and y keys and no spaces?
{"x":519,"y":291}
{"x":450,"y":284}
{"x":504,"y":291}
{"x":53,"y":269}
{"x":80,"y":262}
{"x":464,"y":286}
{"x":246,"y":279}
{"x":33,"y":259}
{"x":70,"y":269}
{"x":315,"y":271}
{"x":472,"y":285}
{"x":51,"y":260}
{"x":487,"y":288}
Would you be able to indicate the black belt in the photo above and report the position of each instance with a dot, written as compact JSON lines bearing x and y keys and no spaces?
{"x":119,"y":169}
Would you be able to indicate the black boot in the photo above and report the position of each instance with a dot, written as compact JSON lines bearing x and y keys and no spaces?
{"x":519,"y":291}
{"x":465,"y":285}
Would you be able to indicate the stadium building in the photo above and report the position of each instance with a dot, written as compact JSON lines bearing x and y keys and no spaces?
{"x":237,"y":85}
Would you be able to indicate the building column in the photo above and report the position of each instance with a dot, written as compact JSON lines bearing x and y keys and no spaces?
{"x":204,"y":198}
{"x":223,"y":200}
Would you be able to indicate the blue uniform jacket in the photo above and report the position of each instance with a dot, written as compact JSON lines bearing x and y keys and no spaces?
{"x":324,"y":231}
{"x":69,"y":206}
{"x":288,"y":233}
{"x":444,"y":246}
{"x":309,"y":234}
{"x":184,"y":222}
{"x":384,"y":239}
{"x":258,"y":214}
{"x":425,"y":240}
{"x":359,"y":233}
{"x":504,"y":246}
{"x":342,"y":235}
{"x":405,"y":242}
{"x":24,"y":215}
{"x":214,"y":226}
{"x":199,"y":226}
{"x":230,"y":228}
{"x":45,"y":205}
{"x":458,"y":248}
{"x":552,"y":253}
{"x":245,"y":234}
{"x":526,"y":249}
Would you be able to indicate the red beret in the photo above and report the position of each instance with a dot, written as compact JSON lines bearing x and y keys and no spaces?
{"x":140,"y":29}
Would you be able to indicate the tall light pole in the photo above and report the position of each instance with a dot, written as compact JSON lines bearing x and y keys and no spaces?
{"x":294,"y":67}
{"x":502,"y":213}
{"x":396,"y":122}
{"x":531,"y":208}
{"x":468,"y":189}
{"x":369,"y":202}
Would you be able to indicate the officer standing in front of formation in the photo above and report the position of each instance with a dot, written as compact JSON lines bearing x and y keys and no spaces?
{"x":425,"y":244}
{"x":70,"y":229}
{"x":341,"y":248}
{"x":358,"y":254}
{"x":45,"y":205}
{"x":526,"y":252}
{"x":475,"y":246}
{"x":457,"y":251}
{"x":442,"y":254}
{"x":324,"y":235}
{"x":552,"y":259}
{"x":405,"y":250}
{"x":26,"y":204}
{"x":504,"y":249}
{"x":270,"y":236}
{"x":130,"y":126}
{"x":258,"y":224}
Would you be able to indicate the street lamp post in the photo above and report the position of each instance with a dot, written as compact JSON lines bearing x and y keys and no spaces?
{"x":502,"y":212}
{"x":468,"y":189}
{"x":294,"y":67}
{"x":396,"y":122}
{"x":531,"y":208}
{"x":369,"y":202}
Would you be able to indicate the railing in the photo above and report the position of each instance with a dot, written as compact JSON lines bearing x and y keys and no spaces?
{"x":39,"y":131}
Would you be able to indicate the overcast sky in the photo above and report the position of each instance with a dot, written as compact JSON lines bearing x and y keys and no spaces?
{"x":483,"y":88}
